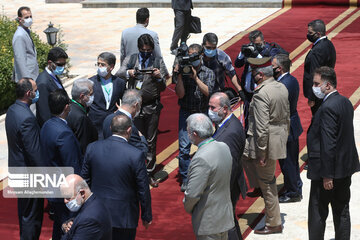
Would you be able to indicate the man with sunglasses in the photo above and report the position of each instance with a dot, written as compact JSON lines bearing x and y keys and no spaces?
{"x":48,"y":81}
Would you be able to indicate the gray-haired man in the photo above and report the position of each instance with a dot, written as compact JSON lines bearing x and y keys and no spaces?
{"x":207,"y":195}
{"x":82,"y":97}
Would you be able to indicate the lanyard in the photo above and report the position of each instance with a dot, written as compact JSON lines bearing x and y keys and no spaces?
{"x":55,"y":78}
{"x":106,"y":90}
{"x":81,"y":106}
{"x":217,"y":130}
{"x":201,"y":144}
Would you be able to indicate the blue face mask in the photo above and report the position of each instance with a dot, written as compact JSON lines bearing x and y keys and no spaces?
{"x":196,"y":63}
{"x":210,"y":52}
{"x":36,"y":98}
{"x":59,"y":70}
{"x":145,"y":55}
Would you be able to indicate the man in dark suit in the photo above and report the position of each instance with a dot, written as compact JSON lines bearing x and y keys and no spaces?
{"x":61,"y":148}
{"x":128,"y":186}
{"x":23,"y":136}
{"x":108,"y":90}
{"x":182,"y":20}
{"x":290,"y":165}
{"x":82,"y":97}
{"x":93,"y":220}
{"x":333,"y":157}
{"x":48,"y":81}
{"x":322,"y":53}
{"x":230,"y":131}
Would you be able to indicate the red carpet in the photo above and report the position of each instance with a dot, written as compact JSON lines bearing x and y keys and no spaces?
{"x":289,"y":30}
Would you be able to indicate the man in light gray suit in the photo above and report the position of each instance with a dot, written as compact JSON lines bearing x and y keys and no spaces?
{"x":207,"y":195}
{"x":130,"y":36}
{"x":25,"y":62}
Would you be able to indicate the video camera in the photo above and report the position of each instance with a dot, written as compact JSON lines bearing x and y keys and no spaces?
{"x":185,"y":66}
{"x":249,"y":50}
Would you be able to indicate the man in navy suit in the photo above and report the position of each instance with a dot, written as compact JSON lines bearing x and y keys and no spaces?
{"x":290,"y":165}
{"x":230,"y":131}
{"x":23,"y":136}
{"x":93,"y":220}
{"x":48,"y":81}
{"x":121,"y":181}
{"x":333,"y":157}
{"x":108,"y":90}
{"x":60,"y":148}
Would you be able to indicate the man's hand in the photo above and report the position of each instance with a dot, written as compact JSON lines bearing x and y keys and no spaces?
{"x":242,"y":95}
{"x":66,"y":226}
{"x":262,"y":162}
{"x":131,"y":72}
{"x":146,"y":224}
{"x":194,"y":74}
{"x":328,"y":183}
{"x":176,"y":68}
{"x":311,"y":103}
{"x":156,"y":73}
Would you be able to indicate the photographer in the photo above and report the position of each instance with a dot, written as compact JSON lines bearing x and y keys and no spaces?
{"x":192,"y":88}
{"x":218,"y":61}
{"x":257,"y":48}
{"x":146,"y":73}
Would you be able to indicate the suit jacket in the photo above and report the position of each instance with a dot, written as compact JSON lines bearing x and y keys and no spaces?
{"x":98,"y":111}
{"x":92,"y":221}
{"x":330,"y":140}
{"x":116,"y":172}
{"x":23,"y":136}
{"x":45,"y":84}
{"x":269,"y":121}
{"x":82,"y":126}
{"x":129,"y":41}
{"x":232,"y":133}
{"x":183,"y":5}
{"x":207,"y":196}
{"x":25,"y":62}
{"x":293,"y":88}
{"x":135,"y":139}
{"x":321,"y":54}
{"x":59,"y":145}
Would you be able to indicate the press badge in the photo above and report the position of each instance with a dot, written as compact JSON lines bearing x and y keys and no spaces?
{"x":139,"y":85}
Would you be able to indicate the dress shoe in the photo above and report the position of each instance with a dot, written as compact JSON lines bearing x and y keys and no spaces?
{"x":269,"y":230}
{"x":154,"y":183}
{"x":256,"y":193}
{"x":286,"y":199}
{"x":183,"y":187}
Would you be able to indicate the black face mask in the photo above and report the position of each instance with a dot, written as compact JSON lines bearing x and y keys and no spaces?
{"x":311,"y":37}
{"x":259,"y":47}
{"x":145,"y":55}
{"x":275,"y":73}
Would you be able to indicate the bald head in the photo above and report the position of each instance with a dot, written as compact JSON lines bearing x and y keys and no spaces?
{"x":74,"y":185}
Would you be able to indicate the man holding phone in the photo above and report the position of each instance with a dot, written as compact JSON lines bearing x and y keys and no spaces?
{"x":146,"y":73}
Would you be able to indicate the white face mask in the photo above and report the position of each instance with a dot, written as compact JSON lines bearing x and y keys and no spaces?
{"x":27,"y":22}
{"x":102,"y":71}
{"x":90,"y":101}
{"x":317,"y":91}
{"x":73,"y":206}
{"x":214,"y":116}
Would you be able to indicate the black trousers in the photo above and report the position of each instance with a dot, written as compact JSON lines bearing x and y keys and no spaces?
{"x":61,"y":215}
{"x":182,"y":22}
{"x":123,"y":233}
{"x":290,"y":169}
{"x":318,"y":211}
{"x":30,"y":213}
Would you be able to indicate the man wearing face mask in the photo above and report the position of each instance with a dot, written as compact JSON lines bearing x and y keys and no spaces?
{"x":146,"y":73}
{"x":290,"y":165}
{"x":93,"y":220}
{"x":127,"y":190}
{"x":25,"y":62}
{"x":23,"y":137}
{"x":82,"y":97}
{"x":108,"y":90}
{"x":193,"y":92}
{"x":269,"y":124}
{"x":333,"y":157}
{"x":257,"y":48}
{"x":218,"y":61}
{"x":48,"y":81}
{"x":322,"y":53}
{"x":230,"y":131}
{"x":60,"y":148}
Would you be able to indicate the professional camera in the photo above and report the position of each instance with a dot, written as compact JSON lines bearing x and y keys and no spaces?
{"x":249,"y":50}
{"x":185,"y":66}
